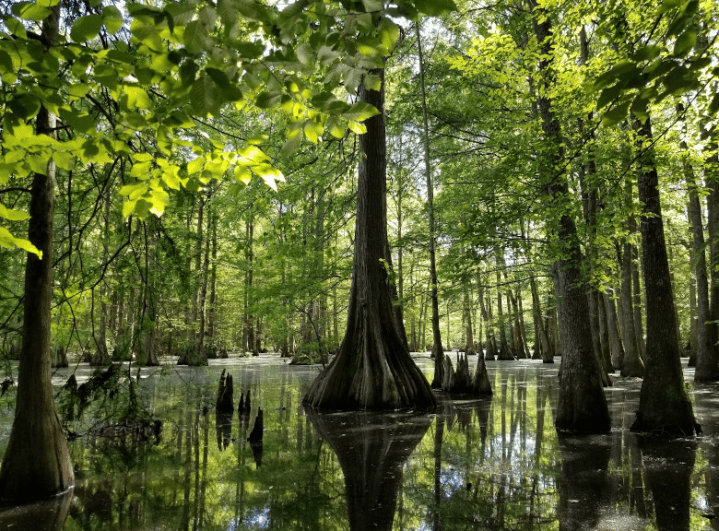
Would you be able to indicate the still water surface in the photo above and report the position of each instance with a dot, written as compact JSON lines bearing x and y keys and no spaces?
{"x":494,"y":464}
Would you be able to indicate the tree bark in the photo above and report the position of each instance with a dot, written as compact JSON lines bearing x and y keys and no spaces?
{"x":36,"y":463}
{"x":437,"y":348}
{"x":707,"y":368}
{"x":373,"y":368}
{"x":664,"y":405}
{"x":582,"y":406}
{"x":615,"y":340}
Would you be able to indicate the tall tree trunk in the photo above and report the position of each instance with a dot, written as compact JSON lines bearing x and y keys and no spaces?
{"x":36,"y":463}
{"x":544,"y":342}
{"x":373,"y":368}
{"x":664,"y":405}
{"x":204,"y":279}
{"x":469,"y":349}
{"x":491,"y":348}
{"x":707,"y":368}
{"x":437,"y":348}
{"x":212,"y":313}
{"x":249,"y":256}
{"x":582,"y":405}
{"x":632,"y":364}
{"x":711,"y":181}
{"x":504,"y":351}
{"x":615,"y":339}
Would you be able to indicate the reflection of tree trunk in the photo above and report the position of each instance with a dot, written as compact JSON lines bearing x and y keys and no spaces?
{"x":45,"y":515}
{"x":583,"y":484}
{"x":438,"y":436}
{"x":668,"y":466}
{"x":371,"y":457}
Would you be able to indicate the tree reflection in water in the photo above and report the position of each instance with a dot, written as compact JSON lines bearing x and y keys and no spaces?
{"x":371,"y":448}
{"x":491,"y":464}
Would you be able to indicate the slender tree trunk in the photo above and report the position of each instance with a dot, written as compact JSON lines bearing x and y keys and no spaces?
{"x":544,"y":343}
{"x":664,"y":405}
{"x":373,"y":368}
{"x":212,"y":313}
{"x":711,"y":176}
{"x":249,"y":321}
{"x":36,"y":463}
{"x":469,"y":349}
{"x":437,"y":349}
{"x":615,"y":340}
{"x":707,"y":368}
{"x":582,"y":405}
{"x":632,"y":364}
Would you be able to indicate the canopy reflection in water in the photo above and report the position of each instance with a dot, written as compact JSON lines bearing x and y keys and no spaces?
{"x":371,"y":448}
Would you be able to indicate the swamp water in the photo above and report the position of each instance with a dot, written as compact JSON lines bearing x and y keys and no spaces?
{"x":494,"y":464}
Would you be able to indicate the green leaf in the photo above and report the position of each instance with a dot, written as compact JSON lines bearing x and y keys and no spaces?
{"x":313,"y":131}
{"x":134,"y":190}
{"x":646,"y":53}
{"x":30,"y":11}
{"x":137,"y":98}
{"x":112,"y":18}
{"x":360,"y":111}
{"x":616,"y":114}
{"x":205,"y":96}
{"x":668,"y":5}
{"x":265,"y":100}
{"x":685,"y":42}
{"x":9,"y":241}
{"x":12,"y":214}
{"x":86,"y":28}
{"x":613,"y":74}
{"x":713,"y":108}
{"x":608,"y":95}
{"x":435,"y":8}
{"x":388,"y":33}
{"x":219,"y":77}
{"x":268,"y":174}
{"x":195,"y":37}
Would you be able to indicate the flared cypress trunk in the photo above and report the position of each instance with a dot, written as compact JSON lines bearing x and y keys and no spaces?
{"x":373,"y":368}
{"x":37,"y":464}
{"x":582,"y":406}
{"x":664,"y":405}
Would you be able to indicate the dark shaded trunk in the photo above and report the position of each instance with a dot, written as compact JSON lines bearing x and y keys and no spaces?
{"x":36,"y":463}
{"x":582,"y":405}
{"x":664,"y":405}
{"x":707,"y":368}
{"x":373,"y":368}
